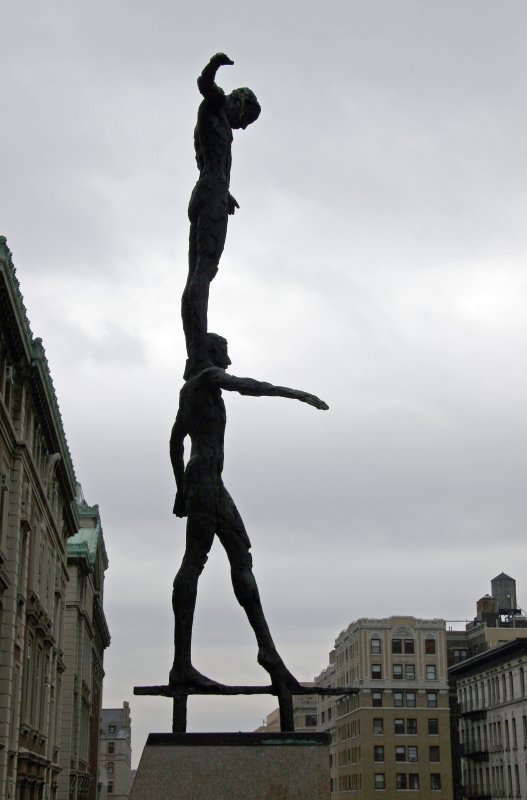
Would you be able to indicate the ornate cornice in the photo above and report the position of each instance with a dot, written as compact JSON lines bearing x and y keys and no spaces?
{"x":36,"y":359}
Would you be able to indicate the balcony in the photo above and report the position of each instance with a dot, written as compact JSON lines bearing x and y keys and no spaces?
{"x":474,"y":751}
{"x":473,"y":710}
{"x":476,"y":793}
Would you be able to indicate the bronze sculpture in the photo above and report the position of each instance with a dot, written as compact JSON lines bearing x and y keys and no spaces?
{"x":201,"y":495}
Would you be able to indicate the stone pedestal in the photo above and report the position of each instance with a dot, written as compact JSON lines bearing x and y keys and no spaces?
{"x":233,"y":766}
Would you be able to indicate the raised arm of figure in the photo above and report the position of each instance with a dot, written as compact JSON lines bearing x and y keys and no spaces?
{"x":255,"y":388}
{"x":177,"y":438}
{"x":206,"y":81}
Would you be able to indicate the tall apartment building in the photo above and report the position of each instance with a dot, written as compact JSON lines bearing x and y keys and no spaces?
{"x":492,"y":718}
{"x":394,"y":734}
{"x":116,"y":753}
{"x":85,"y":638}
{"x":38,"y":516}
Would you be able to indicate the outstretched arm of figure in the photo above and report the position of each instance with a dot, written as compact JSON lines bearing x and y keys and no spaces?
{"x":206,"y":81}
{"x":177,"y":438}
{"x":261,"y":389}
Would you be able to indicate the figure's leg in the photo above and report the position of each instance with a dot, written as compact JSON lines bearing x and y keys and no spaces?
{"x":233,"y":536}
{"x":208,"y":235}
{"x":200,"y":535}
{"x":185,"y":307}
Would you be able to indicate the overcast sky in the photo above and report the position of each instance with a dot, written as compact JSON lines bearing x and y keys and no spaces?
{"x":377,"y":260}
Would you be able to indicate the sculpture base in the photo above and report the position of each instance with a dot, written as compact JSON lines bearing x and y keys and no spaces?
{"x":233,"y":766}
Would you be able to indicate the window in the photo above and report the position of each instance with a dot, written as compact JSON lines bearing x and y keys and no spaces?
{"x":430,"y":647}
{"x":397,"y":646}
{"x":431,"y":673}
{"x":412,"y":754}
{"x":311,"y":720}
{"x":433,"y":726}
{"x":379,"y":780}
{"x":409,"y":672}
{"x":376,"y":698}
{"x":375,"y":647}
{"x":400,"y":780}
{"x":400,"y":753}
{"x":111,"y":747}
{"x":111,"y":728}
{"x":411,"y":699}
{"x":398,"y":725}
{"x":409,"y":648}
{"x":397,"y":671}
{"x":413,"y":780}
{"x":411,"y":727}
{"x":431,"y":699}
{"x":110,"y":787}
{"x":398,"y":699}
{"x":435,"y":781}
{"x":434,"y":753}
{"x":378,"y":727}
{"x":376,"y":672}
{"x":378,"y":752}
{"x":459,"y":655}
{"x":109,"y":767}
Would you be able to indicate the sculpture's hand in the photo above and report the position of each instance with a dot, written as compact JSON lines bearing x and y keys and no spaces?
{"x":180,"y":505}
{"x":313,"y":400}
{"x":206,"y":84}
{"x":232,"y":204}
{"x":221,"y":60}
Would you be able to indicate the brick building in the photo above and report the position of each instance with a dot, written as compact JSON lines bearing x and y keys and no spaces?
{"x":394,"y":734}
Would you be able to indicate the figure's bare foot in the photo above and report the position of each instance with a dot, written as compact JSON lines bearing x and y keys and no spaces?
{"x":190,"y":677}
{"x":281,"y":678}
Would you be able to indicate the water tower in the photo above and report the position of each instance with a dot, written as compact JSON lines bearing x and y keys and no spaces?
{"x":503,"y":589}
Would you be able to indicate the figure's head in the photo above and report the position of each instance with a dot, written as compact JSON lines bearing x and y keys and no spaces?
{"x":242,"y":108}
{"x":217,"y":350}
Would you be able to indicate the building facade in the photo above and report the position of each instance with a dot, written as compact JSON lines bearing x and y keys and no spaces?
{"x":492,"y":719}
{"x":393,"y":735}
{"x":115,"y":770}
{"x":39,"y":515}
{"x":86,"y":636}
{"x":498,"y":620}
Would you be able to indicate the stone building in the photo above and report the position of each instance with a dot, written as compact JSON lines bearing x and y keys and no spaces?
{"x":492,"y":719}
{"x":86,"y":636}
{"x":38,"y":516}
{"x":498,"y":620}
{"x":116,"y":753}
{"x":394,"y":734}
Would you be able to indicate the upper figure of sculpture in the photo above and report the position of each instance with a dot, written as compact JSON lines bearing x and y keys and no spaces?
{"x":211,"y":201}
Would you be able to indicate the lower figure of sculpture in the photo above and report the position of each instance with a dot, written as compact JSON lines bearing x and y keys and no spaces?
{"x":211,"y":511}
